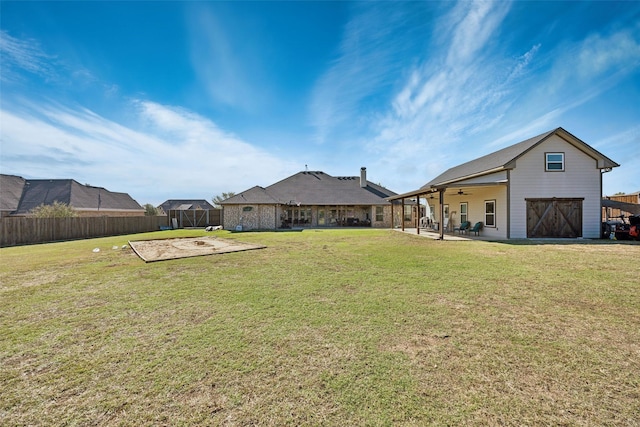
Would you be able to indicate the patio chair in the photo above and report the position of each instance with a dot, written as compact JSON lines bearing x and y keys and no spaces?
{"x":476,"y":228}
{"x":463,"y":227}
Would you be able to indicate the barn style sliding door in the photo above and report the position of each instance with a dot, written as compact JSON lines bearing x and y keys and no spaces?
{"x":559,"y":218}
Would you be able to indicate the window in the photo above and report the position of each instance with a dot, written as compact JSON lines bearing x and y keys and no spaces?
{"x":554,"y":162}
{"x":305,"y":216}
{"x":379,"y":213}
{"x":463,"y":212}
{"x":407,"y":212}
{"x":490,"y":213}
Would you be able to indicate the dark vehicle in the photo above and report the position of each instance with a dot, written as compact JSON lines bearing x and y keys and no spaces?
{"x":622,"y":229}
{"x":634,"y":227}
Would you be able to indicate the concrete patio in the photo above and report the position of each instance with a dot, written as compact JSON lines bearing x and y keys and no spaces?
{"x":435,"y":235}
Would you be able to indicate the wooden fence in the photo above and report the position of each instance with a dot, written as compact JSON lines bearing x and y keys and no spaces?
{"x":26,"y":230}
{"x":616,"y":212}
{"x":195,"y":217}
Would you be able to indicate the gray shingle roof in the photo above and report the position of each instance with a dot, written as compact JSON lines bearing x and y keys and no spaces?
{"x":315,"y":188}
{"x":254,"y":195}
{"x":10,"y":192}
{"x":185,"y":204}
{"x":505,"y":158}
{"x":36,"y":192}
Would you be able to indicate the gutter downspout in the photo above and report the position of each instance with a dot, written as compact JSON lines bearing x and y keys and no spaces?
{"x":606,"y":210}
{"x":508,"y":204}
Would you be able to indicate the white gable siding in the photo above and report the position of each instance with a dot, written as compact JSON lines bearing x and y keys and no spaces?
{"x":580,"y":179}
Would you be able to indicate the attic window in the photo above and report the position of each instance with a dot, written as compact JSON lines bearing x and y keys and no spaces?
{"x":554,"y":162}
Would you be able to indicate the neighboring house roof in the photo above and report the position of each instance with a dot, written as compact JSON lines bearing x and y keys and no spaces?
{"x":36,"y":192}
{"x":10,"y":192}
{"x":507,"y":158}
{"x":315,"y":188}
{"x":185,"y":205}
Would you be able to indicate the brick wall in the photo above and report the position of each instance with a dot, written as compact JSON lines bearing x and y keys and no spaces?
{"x":268,"y":217}
{"x":251,"y":217}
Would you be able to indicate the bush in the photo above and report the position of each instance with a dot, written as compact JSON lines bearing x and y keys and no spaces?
{"x":150,"y":210}
{"x":55,"y":210}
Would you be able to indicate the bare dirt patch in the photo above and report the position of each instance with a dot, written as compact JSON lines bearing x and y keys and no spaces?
{"x":165,"y":249}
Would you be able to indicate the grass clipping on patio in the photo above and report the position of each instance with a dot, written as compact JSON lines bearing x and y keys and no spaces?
{"x":165,"y":249}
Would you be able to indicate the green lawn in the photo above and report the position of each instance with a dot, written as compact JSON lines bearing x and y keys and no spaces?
{"x":323,"y":327}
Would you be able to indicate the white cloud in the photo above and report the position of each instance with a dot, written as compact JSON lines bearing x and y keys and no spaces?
{"x":179,"y":155}
{"x":227,"y":67}
{"x":478,"y":21}
{"x":375,"y":44}
{"x":628,"y":139}
{"x":25,"y":55}
{"x":592,"y":65}
{"x":625,"y":178}
{"x":523,"y":62}
{"x":600,"y":54}
{"x":454,"y":92}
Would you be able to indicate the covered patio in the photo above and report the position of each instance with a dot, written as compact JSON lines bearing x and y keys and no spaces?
{"x":442,"y":209}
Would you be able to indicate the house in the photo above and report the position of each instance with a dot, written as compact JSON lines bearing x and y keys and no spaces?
{"x":310,"y":199}
{"x":184,"y":205}
{"x":18,"y":196}
{"x":190,"y":212}
{"x":548,"y":186}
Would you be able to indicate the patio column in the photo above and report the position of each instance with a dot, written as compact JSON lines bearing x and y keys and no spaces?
{"x":441,"y":192}
{"x":402,"y":215}
{"x":418,"y":214}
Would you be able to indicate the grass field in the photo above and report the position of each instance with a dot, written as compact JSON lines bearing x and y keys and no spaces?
{"x":323,"y":327}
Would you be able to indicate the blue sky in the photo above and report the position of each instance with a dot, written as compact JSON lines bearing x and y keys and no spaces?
{"x":168,"y":100}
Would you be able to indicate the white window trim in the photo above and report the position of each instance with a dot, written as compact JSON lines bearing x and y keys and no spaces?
{"x":466,"y":213}
{"x":493,"y":213}
{"x":547,"y":162}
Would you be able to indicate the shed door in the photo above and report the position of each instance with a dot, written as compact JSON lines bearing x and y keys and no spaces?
{"x":560,"y":218}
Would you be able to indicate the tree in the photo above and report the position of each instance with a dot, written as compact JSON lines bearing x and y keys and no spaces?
{"x":219,"y":198}
{"x":54,"y":210}
{"x":150,"y":210}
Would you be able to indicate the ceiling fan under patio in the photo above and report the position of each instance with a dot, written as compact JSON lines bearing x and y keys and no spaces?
{"x":462,"y":193}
